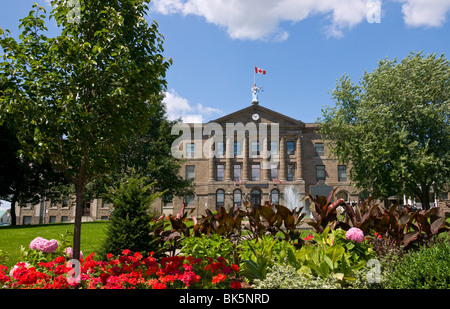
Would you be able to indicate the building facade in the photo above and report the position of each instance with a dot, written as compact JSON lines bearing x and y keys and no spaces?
{"x":251,"y":157}
{"x":255,"y":156}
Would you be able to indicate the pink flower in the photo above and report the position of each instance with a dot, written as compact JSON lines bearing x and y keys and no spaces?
{"x":355,"y":234}
{"x":69,"y":252}
{"x":44,"y":245}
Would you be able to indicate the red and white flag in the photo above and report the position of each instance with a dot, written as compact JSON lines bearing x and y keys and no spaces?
{"x":260,"y":71}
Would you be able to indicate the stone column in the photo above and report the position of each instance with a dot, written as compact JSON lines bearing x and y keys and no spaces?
{"x":282,"y":154}
{"x":298,"y":159}
{"x":245,"y":159}
{"x":211,"y":163}
{"x":265,"y":167}
{"x":228,"y":155}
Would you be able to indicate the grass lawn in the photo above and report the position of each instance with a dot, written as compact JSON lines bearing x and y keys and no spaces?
{"x":12,"y":237}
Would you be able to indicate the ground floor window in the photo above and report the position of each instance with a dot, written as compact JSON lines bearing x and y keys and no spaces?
{"x":220,"y":198}
{"x":274,"y":196}
{"x":237,"y":197}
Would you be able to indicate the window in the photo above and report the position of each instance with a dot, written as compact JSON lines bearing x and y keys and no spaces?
{"x":256,"y":172}
{"x":190,"y":172}
{"x":237,"y":172}
{"x":64,"y":218}
{"x":220,"y":172}
{"x":291,"y":172}
{"x":190,"y":150}
{"x":255,"y":149}
{"x":189,"y":200}
{"x":274,"y":196}
{"x":320,"y":151}
{"x":274,"y":172}
{"x":274,"y":148}
{"x":444,"y":196}
{"x":86,"y":209}
{"x":167,"y":200}
{"x":290,"y":147}
{"x":220,"y":198}
{"x":52,"y":219}
{"x":237,"y":197}
{"x":220,"y":149}
{"x":342,"y":195}
{"x":320,"y":172}
{"x":342,"y":173}
{"x":237,"y":148}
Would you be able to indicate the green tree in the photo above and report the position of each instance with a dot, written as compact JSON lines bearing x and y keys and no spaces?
{"x":129,"y":226}
{"x":393,"y":127}
{"x":80,"y":96}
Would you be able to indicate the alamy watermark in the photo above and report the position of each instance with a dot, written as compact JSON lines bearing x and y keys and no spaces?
{"x":237,"y":140}
{"x":373,"y":11}
{"x":74,"y":14}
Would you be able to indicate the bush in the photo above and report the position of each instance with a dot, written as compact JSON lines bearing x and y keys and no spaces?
{"x":130,"y":222}
{"x":283,"y":276}
{"x":426,"y":268}
{"x":213,"y":246}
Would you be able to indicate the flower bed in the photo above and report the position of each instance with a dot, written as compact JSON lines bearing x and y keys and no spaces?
{"x":127,"y":271}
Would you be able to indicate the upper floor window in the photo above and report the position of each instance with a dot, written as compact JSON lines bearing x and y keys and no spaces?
{"x":290,"y":147}
{"x":190,"y":150}
{"x":220,"y":172}
{"x":342,"y":173}
{"x":256,"y":172}
{"x":274,"y":148}
{"x":190,"y":172}
{"x":220,"y":151}
{"x":274,"y":172}
{"x":255,"y":148}
{"x":320,"y":172}
{"x":237,"y":172}
{"x":320,"y":150}
{"x":237,"y":148}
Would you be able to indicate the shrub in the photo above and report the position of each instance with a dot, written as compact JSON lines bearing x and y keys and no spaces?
{"x":426,"y":268}
{"x":283,"y":276}
{"x":213,"y":246}
{"x":130,"y":222}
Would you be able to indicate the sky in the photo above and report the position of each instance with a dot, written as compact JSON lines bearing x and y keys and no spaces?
{"x":303,"y":45}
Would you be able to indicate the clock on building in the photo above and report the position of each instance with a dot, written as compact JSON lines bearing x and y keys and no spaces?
{"x":255,"y":116}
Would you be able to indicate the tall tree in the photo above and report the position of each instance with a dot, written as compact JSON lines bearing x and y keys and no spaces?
{"x":83,"y":94}
{"x":393,"y":126}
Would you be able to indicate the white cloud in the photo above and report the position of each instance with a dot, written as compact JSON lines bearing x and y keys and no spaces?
{"x":430,"y":13}
{"x":178,"y":106}
{"x":260,"y":19}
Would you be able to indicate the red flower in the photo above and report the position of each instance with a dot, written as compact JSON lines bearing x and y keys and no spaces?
{"x":235,"y":285}
{"x":159,"y":286}
{"x":219,"y":278}
{"x":109,"y":255}
{"x":126,"y":252}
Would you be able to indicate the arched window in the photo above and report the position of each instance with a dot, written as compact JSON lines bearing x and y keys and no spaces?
{"x":343,"y":195}
{"x":274,"y":197}
{"x":237,"y":197}
{"x":220,"y":198}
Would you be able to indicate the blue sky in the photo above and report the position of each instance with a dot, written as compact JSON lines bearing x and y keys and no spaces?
{"x":304,"y":45}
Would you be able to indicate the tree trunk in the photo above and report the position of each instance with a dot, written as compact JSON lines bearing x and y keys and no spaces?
{"x":13,"y":209}
{"x":79,"y":187}
{"x":425,"y":197}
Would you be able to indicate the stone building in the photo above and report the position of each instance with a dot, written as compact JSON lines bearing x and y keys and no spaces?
{"x":51,"y":212}
{"x":239,"y":158}
{"x":250,"y":157}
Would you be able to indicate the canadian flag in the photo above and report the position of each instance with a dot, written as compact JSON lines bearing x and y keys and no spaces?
{"x":260,"y":71}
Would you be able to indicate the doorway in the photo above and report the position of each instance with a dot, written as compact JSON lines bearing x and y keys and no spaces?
{"x":256,"y":198}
